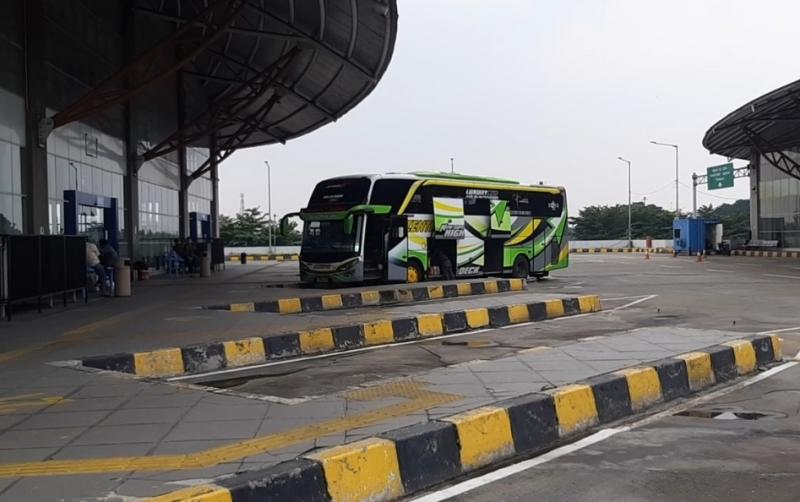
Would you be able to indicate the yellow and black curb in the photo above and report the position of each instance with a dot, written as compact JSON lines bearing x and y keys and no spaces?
{"x":767,"y":254}
{"x":620,"y":250}
{"x":235,"y":353}
{"x":265,"y":257}
{"x":413,"y":458}
{"x":389,"y":296}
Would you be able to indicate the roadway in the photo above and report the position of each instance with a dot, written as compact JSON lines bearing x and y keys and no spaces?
{"x":48,"y":412}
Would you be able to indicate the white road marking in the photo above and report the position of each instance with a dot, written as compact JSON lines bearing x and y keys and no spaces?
{"x":601,"y":435}
{"x":783,"y":330}
{"x":783,"y":276}
{"x":670,"y":266}
{"x":631,"y":304}
{"x":591,"y":338}
{"x":719,"y":270}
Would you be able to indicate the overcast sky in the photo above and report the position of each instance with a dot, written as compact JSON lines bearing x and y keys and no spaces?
{"x":540,"y":90}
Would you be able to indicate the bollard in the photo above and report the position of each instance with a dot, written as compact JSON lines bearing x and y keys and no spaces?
{"x":243,"y":258}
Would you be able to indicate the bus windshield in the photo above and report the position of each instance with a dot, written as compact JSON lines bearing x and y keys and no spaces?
{"x":330,"y":235}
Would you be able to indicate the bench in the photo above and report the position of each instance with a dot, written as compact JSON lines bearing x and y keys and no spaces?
{"x":760,"y":244}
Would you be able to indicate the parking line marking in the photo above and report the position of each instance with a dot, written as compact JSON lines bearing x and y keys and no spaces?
{"x":782,"y":330}
{"x":631,"y":304}
{"x":783,"y":276}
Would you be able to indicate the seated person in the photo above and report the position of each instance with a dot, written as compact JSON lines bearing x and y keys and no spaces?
{"x":108,"y":255}
{"x":93,"y":262}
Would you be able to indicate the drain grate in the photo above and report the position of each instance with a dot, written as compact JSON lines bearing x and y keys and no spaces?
{"x":728,"y":414}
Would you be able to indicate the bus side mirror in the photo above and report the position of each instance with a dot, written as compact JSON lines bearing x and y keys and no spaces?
{"x":284,"y":226}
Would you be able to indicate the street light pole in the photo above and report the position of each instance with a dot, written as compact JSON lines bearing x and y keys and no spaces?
{"x":630,"y":237}
{"x":269,"y":208}
{"x":451,"y":165}
{"x":677,"y":207}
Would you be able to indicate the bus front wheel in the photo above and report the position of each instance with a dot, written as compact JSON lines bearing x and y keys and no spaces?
{"x":521,"y":268}
{"x":414,"y":272}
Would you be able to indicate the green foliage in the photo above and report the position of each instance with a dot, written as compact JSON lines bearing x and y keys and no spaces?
{"x":611,"y":222}
{"x":251,"y":228}
{"x":735,"y":218}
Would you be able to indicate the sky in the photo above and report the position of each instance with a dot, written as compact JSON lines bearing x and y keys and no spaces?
{"x":546,"y":91}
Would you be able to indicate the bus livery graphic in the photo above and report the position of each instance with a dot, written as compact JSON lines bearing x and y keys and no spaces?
{"x":401,"y":227}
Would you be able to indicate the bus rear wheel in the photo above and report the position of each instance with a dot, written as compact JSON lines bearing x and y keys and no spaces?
{"x":414,"y":272}
{"x":521,"y":268}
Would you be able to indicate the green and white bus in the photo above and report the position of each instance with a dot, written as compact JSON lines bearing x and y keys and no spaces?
{"x":388,"y":227}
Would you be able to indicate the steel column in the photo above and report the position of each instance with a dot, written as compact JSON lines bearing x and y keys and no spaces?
{"x":36,"y":219}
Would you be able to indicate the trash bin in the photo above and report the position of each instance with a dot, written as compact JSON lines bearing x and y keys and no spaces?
{"x":123,"y":279}
{"x":243,"y":258}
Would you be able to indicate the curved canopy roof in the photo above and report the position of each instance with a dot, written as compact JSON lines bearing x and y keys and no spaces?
{"x":767,"y":124}
{"x":252,"y":72}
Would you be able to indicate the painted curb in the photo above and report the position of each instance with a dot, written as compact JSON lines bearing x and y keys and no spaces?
{"x":403,"y":461}
{"x":234,"y":353}
{"x":619,"y":250}
{"x":767,"y":254}
{"x":379,"y":297}
{"x":234,"y":258}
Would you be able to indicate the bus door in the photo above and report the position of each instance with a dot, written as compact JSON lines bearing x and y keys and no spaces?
{"x":397,"y":249}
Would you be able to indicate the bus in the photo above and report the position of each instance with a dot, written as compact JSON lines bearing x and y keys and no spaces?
{"x":394,"y":228}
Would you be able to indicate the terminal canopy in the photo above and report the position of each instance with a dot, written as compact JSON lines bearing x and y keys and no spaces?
{"x":249,"y":72}
{"x":766,"y":126}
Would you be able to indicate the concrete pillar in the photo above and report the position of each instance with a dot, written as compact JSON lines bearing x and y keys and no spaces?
{"x":755,"y":175}
{"x":34,"y":156}
{"x":183,"y":193}
{"x":130,"y":183}
{"x":214,"y":190}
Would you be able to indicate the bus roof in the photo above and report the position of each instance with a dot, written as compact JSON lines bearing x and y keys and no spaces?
{"x":443,"y":176}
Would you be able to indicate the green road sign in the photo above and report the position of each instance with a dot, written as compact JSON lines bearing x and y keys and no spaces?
{"x":720,"y":176}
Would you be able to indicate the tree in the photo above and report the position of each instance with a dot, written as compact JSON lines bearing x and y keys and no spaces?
{"x":611,"y":222}
{"x":735,"y":218}
{"x":251,"y":228}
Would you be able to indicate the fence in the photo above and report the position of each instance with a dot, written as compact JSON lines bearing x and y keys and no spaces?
{"x":33,"y":267}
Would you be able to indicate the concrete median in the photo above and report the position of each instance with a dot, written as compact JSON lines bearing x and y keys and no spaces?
{"x":380,"y":297}
{"x":407,"y":460}
{"x":254,"y":350}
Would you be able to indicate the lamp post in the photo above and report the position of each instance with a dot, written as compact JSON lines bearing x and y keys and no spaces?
{"x":677,"y":207}
{"x":269,"y":208}
{"x":630,"y":238}
{"x":451,"y":165}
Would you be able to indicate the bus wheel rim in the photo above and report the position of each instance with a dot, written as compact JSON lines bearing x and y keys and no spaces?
{"x":413,"y":276}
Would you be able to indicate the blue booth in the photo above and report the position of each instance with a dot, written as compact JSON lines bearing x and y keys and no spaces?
{"x":696,"y":235}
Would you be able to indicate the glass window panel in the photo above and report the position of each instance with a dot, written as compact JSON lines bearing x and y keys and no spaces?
{"x":6,"y":177}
